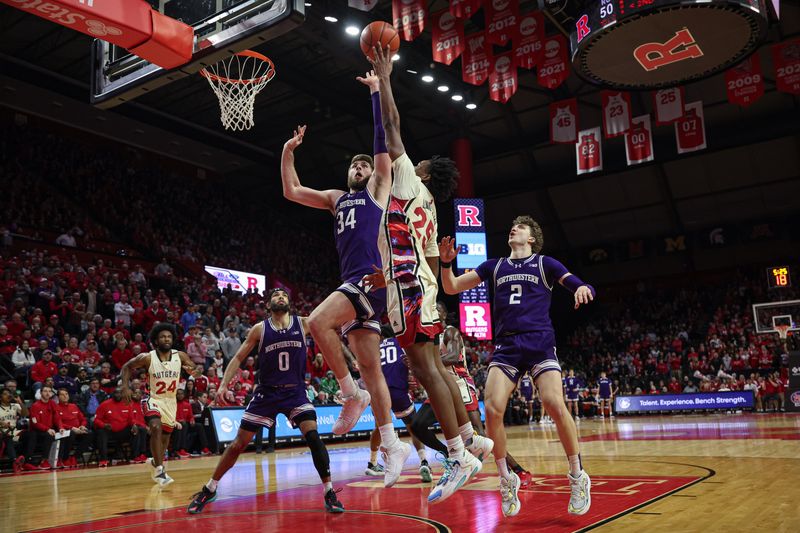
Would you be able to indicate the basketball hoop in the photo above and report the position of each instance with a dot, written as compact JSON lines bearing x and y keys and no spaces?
{"x":237,"y":81}
{"x":782,"y":330}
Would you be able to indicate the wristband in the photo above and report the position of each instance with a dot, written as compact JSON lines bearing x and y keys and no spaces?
{"x":444,"y":264}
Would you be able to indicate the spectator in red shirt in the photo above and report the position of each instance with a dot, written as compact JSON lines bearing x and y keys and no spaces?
{"x":8,"y":344}
{"x":72,"y":354}
{"x":91,"y":357}
{"x":213,"y":380}
{"x":153,"y":314}
{"x":72,"y":419}
{"x":43,"y":369}
{"x":45,"y":422}
{"x":114,"y":420}
{"x":138,"y":341}
{"x":121,"y":354}
{"x":108,"y":380}
{"x":140,"y":431}
{"x":184,"y":419}
{"x":17,"y":326}
{"x":200,"y":381}
{"x":674,"y":386}
{"x":317,"y":368}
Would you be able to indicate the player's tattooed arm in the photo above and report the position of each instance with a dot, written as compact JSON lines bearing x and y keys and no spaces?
{"x":292,"y":189}
{"x":249,"y":344}
{"x":140,"y":361}
{"x":453,"y":344}
{"x":382,"y":64}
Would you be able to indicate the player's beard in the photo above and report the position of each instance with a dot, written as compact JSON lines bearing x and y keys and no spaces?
{"x":280,"y":308}
{"x":164,"y":346}
{"x":356,"y":185}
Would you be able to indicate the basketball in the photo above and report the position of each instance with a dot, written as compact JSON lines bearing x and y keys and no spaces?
{"x":379,"y":33}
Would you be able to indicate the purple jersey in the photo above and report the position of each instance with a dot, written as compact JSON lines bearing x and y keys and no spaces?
{"x":522,"y":292}
{"x":526,"y":386}
{"x":604,"y":385}
{"x":357,"y":221}
{"x":394,"y":369}
{"x":573,"y":384}
{"x":282,"y":354}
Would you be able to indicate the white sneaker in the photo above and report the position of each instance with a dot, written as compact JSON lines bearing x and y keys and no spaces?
{"x":541,"y":421}
{"x":163,"y":479}
{"x":394,"y":458}
{"x":581,"y":493}
{"x":480,"y":447}
{"x":454,"y":477}
{"x":153,"y":469}
{"x":508,"y":492}
{"x":472,"y":465}
{"x":351,"y":411}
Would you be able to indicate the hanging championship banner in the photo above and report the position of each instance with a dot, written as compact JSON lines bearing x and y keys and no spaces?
{"x":639,"y":141}
{"x":409,"y":18}
{"x":786,"y":59}
{"x":476,"y":60}
{"x":464,"y":9}
{"x":503,"y":78}
{"x":690,"y":131}
{"x":502,"y":17}
{"x":616,"y":113}
{"x":588,"y":151}
{"x":363,"y":5}
{"x":564,"y":121}
{"x":447,"y":37}
{"x":553,"y":65}
{"x":744,"y":82}
{"x":529,"y":40}
{"x":668,"y":104}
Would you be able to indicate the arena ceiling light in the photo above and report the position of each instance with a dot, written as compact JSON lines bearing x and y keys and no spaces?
{"x":351,"y":30}
{"x":331,"y":19}
{"x":427,"y":78}
{"x":396,"y":57}
{"x":471,"y":106}
{"x":443,"y":88}
{"x":457,"y":97}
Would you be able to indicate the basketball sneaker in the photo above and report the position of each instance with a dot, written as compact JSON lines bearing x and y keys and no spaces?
{"x":580,"y":498}
{"x":480,"y":446}
{"x":508,"y":491}
{"x":332,"y":503}
{"x":351,"y":410}
{"x":425,"y":472}
{"x":394,"y":458}
{"x":525,"y":479}
{"x":472,"y":465}
{"x":201,"y":499}
{"x":455,"y":475}
{"x":374,"y":470}
{"x":19,"y":464}
{"x":163,"y":479}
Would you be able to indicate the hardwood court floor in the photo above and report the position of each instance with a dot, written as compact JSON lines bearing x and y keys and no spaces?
{"x":678,"y":473}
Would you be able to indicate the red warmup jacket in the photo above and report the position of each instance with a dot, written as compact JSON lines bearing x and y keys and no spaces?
{"x":71,"y":416}
{"x":44,"y":416}
{"x":40,"y":371}
{"x":138,"y":415}
{"x":118,"y":414}
{"x":184,"y":414}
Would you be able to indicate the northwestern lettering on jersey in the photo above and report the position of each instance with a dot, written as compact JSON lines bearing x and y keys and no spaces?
{"x":518,"y":277}
{"x":285,"y":344}
{"x":351,"y":203}
{"x":281,"y":358}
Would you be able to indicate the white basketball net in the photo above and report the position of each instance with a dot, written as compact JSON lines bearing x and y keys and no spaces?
{"x":237,"y":81}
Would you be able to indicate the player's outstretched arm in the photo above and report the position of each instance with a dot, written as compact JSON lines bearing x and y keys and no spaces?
{"x":390,"y":115}
{"x":187,"y":363}
{"x":140,"y":361}
{"x":249,"y":344}
{"x":451,"y":283}
{"x":381,"y":181}
{"x":554,"y":270}
{"x":292,"y":189}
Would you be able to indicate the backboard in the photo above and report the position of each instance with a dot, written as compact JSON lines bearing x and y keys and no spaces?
{"x":769,"y":314}
{"x":221,"y":28}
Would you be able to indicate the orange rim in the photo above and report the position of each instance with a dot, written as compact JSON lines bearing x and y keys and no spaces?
{"x":245,"y":53}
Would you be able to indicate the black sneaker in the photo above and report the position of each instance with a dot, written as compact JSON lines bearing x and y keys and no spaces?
{"x":202,"y":498}
{"x":332,"y":503}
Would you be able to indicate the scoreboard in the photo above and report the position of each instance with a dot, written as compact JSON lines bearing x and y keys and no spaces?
{"x":474,"y":308}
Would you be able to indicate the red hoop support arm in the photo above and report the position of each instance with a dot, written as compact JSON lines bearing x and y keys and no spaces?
{"x":131,"y":24}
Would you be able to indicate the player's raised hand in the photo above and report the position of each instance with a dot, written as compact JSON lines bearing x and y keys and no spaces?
{"x":297,"y":138}
{"x":370,"y":79}
{"x":382,"y":63}
{"x":447,"y":250}
{"x":583,"y":296}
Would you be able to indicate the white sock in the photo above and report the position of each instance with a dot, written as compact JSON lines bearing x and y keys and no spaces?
{"x":575,"y":465}
{"x":422,"y":455}
{"x":212,"y":485}
{"x":373,"y":456}
{"x":502,"y":468}
{"x":327,"y":486}
{"x":466,"y":432}
{"x":348,"y":386}
{"x":455,"y":447}
{"x":388,"y":436}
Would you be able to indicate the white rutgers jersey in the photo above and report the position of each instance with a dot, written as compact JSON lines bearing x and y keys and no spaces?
{"x":164,"y":375}
{"x":617,"y":115}
{"x":564,"y":126}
